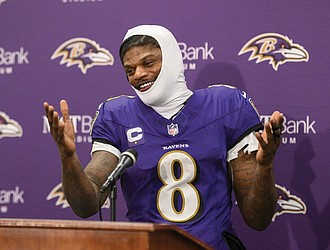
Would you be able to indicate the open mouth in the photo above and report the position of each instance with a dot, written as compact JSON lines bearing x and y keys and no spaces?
{"x":145,"y":86}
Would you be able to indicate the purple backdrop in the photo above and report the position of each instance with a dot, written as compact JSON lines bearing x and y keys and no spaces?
{"x":276,"y":51}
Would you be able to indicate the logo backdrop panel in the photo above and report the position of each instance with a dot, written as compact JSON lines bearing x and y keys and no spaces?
{"x":68,"y":49}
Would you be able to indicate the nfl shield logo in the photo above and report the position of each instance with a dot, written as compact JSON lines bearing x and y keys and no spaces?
{"x":173,"y":129}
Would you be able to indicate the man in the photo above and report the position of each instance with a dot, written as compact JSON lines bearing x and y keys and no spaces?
{"x":193,"y":147}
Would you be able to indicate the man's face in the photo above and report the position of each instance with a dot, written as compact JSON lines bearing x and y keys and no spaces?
{"x":142,"y":65}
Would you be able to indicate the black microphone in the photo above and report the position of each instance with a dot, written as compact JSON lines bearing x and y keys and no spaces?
{"x":126,"y":160}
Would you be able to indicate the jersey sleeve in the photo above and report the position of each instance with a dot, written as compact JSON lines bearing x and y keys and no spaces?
{"x":104,"y":131}
{"x":242,"y":120}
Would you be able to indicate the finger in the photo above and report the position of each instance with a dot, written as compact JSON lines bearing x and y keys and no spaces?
{"x":268,"y":131}
{"x":50,"y":114}
{"x":276,"y":131}
{"x":65,"y":110}
{"x":57,"y":128}
{"x":276,"y":121}
{"x":55,"y":121}
{"x":260,"y":139}
{"x":46,"y":106}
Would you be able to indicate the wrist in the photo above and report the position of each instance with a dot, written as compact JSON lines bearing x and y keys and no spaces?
{"x":67,"y":156}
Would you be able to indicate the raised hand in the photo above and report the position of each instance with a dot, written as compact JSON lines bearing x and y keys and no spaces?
{"x":61,"y":130}
{"x":270,"y":139}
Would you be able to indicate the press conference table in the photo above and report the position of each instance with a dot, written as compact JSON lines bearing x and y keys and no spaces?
{"x":76,"y":234}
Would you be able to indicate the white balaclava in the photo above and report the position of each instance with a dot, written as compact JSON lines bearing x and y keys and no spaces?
{"x":170,"y":90}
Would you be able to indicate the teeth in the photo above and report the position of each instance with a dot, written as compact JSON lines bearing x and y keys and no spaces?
{"x":147,"y":84}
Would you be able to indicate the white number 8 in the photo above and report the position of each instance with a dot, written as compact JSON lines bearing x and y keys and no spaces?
{"x":173,"y":185}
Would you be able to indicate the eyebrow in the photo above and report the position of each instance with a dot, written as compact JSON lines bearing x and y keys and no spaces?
{"x":142,"y":59}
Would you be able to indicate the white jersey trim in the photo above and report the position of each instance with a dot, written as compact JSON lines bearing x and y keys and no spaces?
{"x":249,"y":140}
{"x":99,"y":146}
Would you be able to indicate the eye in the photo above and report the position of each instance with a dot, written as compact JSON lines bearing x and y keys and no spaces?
{"x":149,"y":63}
{"x":91,"y":50}
{"x":129,"y":72}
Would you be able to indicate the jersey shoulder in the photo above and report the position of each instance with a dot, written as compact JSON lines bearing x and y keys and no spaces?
{"x":122,"y":104}
{"x":226,"y":97}
{"x":116,"y":109}
{"x":222,"y":90}
{"x":118,"y":101}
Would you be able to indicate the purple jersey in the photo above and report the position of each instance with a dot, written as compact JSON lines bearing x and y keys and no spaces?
{"x":181,"y":174}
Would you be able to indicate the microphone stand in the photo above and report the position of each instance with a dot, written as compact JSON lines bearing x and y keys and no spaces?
{"x":113,"y":198}
{"x":126,"y":160}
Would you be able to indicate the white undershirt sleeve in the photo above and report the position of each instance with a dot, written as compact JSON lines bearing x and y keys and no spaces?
{"x":99,"y":146}
{"x":252,"y":145}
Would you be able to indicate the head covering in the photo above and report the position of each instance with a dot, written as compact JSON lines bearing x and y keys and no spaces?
{"x":170,"y":90}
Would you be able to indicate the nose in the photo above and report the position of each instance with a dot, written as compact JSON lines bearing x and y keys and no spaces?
{"x":140,"y":72}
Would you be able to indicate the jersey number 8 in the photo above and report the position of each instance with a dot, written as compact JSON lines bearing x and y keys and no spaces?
{"x":177,"y":185}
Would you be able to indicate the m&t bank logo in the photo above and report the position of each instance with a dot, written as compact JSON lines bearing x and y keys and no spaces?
{"x":292,"y":128}
{"x":191,"y":55}
{"x":8,"y":197}
{"x":82,"y":126}
{"x":8,"y":59}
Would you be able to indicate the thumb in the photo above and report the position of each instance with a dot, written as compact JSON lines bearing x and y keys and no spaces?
{"x":64,"y":110}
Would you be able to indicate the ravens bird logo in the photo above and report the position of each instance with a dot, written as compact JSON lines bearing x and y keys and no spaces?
{"x":276,"y":48}
{"x":83,"y":52}
{"x":288,"y":203}
{"x":58,"y":193}
{"x":9,"y":127}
